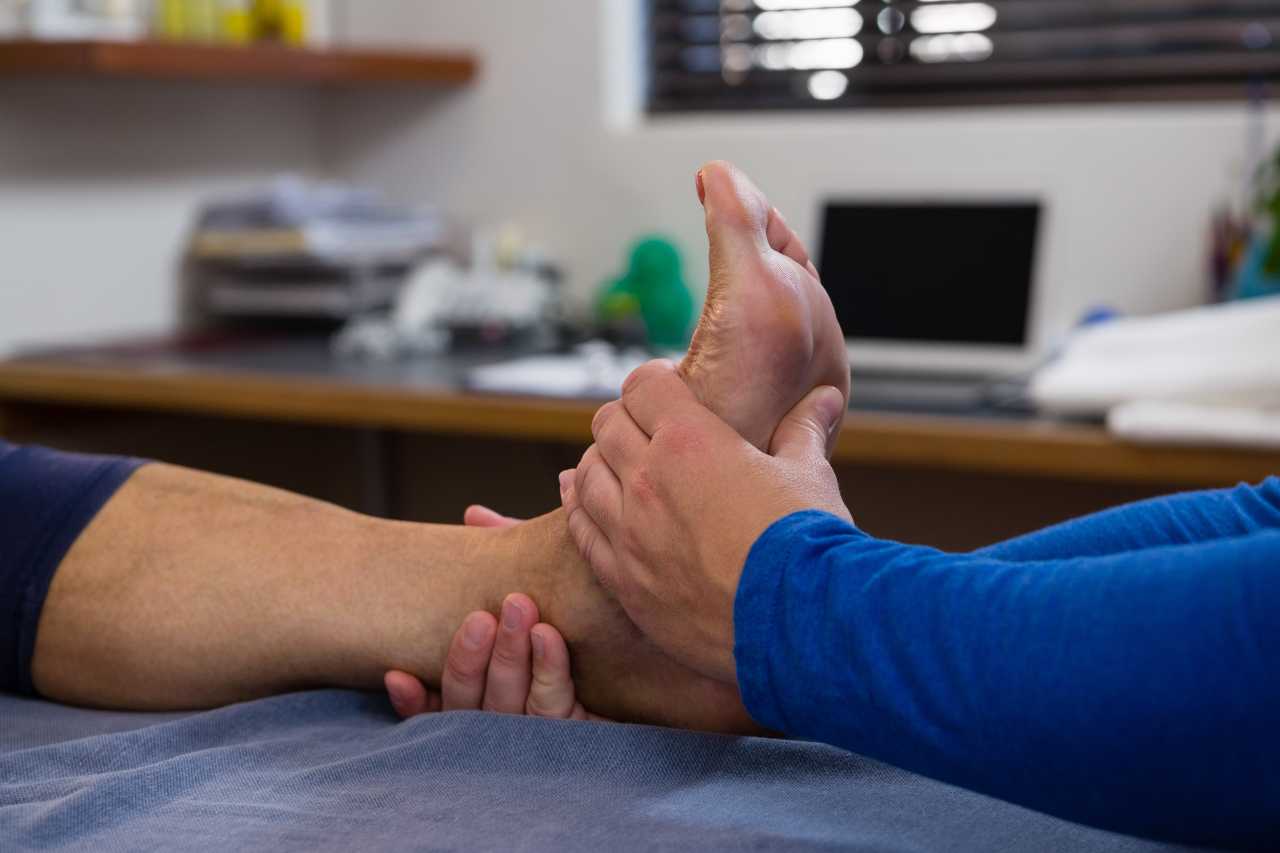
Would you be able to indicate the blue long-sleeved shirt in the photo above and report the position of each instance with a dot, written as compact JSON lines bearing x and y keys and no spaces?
{"x":1122,"y":670}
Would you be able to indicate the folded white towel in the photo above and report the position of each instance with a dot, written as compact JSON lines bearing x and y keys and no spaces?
{"x":1162,"y":422}
{"x":1228,"y":355}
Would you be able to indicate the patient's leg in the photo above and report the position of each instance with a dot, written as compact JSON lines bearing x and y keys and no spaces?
{"x":191,"y":590}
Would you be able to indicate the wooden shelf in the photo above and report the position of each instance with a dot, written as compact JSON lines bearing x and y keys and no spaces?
{"x":158,"y":60}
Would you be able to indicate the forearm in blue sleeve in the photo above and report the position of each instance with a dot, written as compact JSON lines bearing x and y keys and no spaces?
{"x":1180,"y":519}
{"x":1137,"y":692}
{"x":46,"y":499}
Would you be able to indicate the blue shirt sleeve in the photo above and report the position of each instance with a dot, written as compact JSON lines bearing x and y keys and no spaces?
{"x":46,"y":499}
{"x":1172,"y":520}
{"x":1136,"y":691}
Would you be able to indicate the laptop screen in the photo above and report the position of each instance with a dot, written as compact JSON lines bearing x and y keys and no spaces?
{"x":951,"y":273}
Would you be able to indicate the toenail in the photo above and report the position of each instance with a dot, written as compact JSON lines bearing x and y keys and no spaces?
{"x":535,"y":639}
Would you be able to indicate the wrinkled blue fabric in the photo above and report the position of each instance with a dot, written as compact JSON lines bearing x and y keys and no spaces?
{"x":334,"y":770}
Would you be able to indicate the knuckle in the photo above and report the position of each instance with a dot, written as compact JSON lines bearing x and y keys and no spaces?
{"x":679,"y":440}
{"x":644,"y":484}
{"x":584,"y":536}
{"x":462,"y":671}
{"x":632,"y":542}
{"x":493,"y":704}
{"x":539,"y":704}
{"x":606,"y":580}
{"x":602,"y":417}
{"x":507,"y":658}
{"x":595,"y":490}
{"x":646,"y":372}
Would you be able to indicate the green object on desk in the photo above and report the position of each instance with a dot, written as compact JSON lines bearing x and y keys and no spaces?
{"x":654,"y":290}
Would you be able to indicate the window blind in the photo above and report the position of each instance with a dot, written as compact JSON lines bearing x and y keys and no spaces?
{"x":748,"y":54}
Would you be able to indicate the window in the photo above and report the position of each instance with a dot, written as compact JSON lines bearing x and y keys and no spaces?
{"x":762,"y":54}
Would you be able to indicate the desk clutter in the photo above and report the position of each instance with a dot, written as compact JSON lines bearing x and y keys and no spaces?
{"x":304,"y":249}
{"x":1207,"y":375}
{"x":296,"y":219}
{"x":594,"y":370}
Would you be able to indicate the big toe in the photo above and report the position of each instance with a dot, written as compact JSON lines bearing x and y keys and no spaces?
{"x":737,"y":212}
{"x":741,"y":223}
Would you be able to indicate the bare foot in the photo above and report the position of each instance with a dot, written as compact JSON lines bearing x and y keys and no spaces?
{"x":619,"y":673}
{"x":768,"y":334}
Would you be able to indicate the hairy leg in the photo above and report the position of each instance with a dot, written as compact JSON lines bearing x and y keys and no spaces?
{"x":191,"y":590}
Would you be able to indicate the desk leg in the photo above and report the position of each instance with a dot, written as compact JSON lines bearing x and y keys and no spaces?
{"x":378,"y":473}
{"x":17,"y":423}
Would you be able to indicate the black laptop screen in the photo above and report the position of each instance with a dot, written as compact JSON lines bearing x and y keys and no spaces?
{"x":937,"y":273}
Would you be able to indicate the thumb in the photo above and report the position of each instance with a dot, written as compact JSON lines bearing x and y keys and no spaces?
{"x":810,"y":428}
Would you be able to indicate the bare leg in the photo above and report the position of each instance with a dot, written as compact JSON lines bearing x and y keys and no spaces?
{"x":191,"y":590}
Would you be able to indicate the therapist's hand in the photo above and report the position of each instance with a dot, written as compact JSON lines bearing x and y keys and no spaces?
{"x":667,"y":503}
{"x":409,"y":696}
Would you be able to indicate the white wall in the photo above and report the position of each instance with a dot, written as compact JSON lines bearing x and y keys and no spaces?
{"x":538,"y":141}
{"x":98,"y":181}
{"x":98,"y":185}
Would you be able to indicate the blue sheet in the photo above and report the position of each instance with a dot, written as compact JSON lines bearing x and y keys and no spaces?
{"x":334,"y":770}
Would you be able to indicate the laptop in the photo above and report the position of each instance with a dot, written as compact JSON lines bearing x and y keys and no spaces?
{"x":935,"y":298}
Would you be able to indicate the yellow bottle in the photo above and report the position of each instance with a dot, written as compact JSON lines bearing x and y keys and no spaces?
{"x":280,"y":20}
{"x":202,"y":20}
{"x":171,"y":19}
{"x":235,"y":21}
{"x":293,"y":24}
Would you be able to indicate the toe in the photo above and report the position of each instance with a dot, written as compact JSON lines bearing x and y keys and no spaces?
{"x":737,"y":212}
{"x":783,"y":239}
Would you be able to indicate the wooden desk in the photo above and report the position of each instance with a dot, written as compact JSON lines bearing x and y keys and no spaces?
{"x":891,"y":451}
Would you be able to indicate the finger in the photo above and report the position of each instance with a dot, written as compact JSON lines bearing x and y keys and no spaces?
{"x":482,"y":516}
{"x":409,"y":696}
{"x":620,"y":442}
{"x":510,"y":669}
{"x":551,"y":693}
{"x":655,"y":395}
{"x":811,"y":427}
{"x":568,"y":495}
{"x":599,"y":491}
{"x":467,"y":666}
{"x":587,"y":537}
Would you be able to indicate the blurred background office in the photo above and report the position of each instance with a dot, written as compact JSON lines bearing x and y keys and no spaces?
{"x":394,"y":252}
